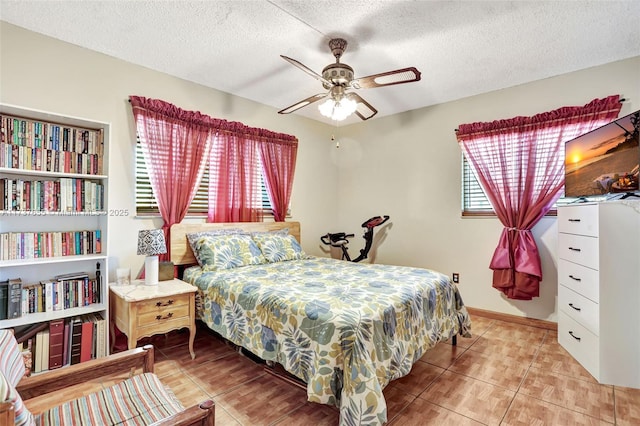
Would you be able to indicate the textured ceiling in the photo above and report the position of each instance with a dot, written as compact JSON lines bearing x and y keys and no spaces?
{"x":462,"y":48}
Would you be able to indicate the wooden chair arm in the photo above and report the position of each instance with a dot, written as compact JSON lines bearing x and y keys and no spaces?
{"x":53,"y":380}
{"x":201,"y":414}
{"x":7,"y":413}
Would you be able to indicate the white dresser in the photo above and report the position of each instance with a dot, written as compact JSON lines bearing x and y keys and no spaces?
{"x":599,"y":288}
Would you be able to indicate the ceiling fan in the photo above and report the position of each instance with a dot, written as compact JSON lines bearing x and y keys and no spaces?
{"x":338,"y":79}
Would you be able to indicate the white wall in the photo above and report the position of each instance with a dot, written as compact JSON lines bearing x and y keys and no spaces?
{"x":406,"y":166}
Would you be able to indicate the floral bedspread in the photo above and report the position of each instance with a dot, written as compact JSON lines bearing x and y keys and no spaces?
{"x":347,"y":329}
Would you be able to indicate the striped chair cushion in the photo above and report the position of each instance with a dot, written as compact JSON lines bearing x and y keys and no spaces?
{"x":140,"y":400}
{"x":11,"y":359}
{"x":23,"y":417}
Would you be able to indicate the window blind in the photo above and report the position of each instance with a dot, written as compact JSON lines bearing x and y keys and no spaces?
{"x":146,"y":202}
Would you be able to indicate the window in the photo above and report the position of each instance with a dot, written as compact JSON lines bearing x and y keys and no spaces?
{"x":146,"y":202}
{"x":474,"y":199}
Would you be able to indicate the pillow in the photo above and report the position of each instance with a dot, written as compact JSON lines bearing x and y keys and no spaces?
{"x":277,"y":247}
{"x":218,"y":252}
{"x":8,"y":393}
{"x":283,"y":231}
{"x":193,"y":238}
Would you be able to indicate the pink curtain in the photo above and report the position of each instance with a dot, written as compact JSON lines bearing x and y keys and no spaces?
{"x":239,"y":154}
{"x":234,"y":180}
{"x":278,"y":165}
{"x":522,"y":181}
{"x":175,"y":145}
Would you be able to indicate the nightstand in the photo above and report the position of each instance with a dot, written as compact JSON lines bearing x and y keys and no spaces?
{"x":139,"y":310}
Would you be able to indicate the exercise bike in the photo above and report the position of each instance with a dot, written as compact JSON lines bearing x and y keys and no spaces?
{"x":341,"y":239}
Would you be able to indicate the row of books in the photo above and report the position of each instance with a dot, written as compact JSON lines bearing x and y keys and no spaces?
{"x":34,"y":245}
{"x":35,"y":134}
{"x":64,"y":341}
{"x":62,"y":292}
{"x":63,"y":195}
{"x":47,"y":160}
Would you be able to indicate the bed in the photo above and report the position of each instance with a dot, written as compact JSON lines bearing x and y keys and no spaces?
{"x":345,"y":329}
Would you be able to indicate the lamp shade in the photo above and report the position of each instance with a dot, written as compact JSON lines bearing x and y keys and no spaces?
{"x":338,"y":109}
{"x":151,"y":242}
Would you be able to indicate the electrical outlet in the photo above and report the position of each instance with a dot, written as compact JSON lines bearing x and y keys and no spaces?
{"x":456,"y":277}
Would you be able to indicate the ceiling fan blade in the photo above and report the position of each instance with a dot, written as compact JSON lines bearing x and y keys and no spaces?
{"x":303,"y":103}
{"x":364,"y":109}
{"x":306,"y":69}
{"x":404,"y":75}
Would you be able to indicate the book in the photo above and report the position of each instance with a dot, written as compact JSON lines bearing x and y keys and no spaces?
{"x":38,"y":351}
{"x":71,"y":276}
{"x":4,"y":299}
{"x":76,"y":336}
{"x":65,"y":344}
{"x":101,"y":339}
{"x":56,"y":343}
{"x":29,"y":331}
{"x":45,"y":350}
{"x":86,"y":340}
{"x":14,"y":306}
{"x":48,"y":295}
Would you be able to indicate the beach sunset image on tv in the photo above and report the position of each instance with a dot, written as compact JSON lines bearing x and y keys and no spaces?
{"x":604,"y":160}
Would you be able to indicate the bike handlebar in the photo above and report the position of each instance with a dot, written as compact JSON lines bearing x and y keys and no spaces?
{"x":375,"y":221}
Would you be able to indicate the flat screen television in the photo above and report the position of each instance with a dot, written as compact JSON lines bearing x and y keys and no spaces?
{"x":605,"y":160}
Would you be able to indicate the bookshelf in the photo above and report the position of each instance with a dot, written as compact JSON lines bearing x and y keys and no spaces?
{"x":54,"y":216}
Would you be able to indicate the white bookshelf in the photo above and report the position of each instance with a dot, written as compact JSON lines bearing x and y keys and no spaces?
{"x":34,"y":270}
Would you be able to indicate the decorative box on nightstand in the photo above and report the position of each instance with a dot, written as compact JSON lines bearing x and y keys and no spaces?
{"x":139,"y":310}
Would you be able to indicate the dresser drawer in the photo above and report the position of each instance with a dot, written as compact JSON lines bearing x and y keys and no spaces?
{"x":580,"y":343}
{"x":581,"y":309}
{"x":580,"y":220}
{"x":579,"y":249}
{"x":154,"y":305}
{"x":582,"y":280}
{"x":162,"y":315}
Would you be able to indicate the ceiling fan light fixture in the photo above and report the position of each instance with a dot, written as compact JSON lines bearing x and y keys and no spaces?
{"x":338,"y":77}
{"x":338,"y":110}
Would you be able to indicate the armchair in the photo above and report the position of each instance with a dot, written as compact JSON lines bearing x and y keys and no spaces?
{"x":139,"y":400}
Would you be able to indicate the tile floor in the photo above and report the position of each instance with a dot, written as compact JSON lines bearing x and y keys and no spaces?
{"x":507,"y":374}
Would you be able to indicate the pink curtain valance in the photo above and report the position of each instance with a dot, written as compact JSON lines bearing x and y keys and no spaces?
{"x":216,"y":125}
{"x":609,"y":106}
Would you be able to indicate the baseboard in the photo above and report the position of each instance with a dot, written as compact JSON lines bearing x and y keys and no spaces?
{"x":532,"y":322}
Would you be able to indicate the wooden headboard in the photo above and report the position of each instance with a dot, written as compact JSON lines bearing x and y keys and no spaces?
{"x":181,"y":253}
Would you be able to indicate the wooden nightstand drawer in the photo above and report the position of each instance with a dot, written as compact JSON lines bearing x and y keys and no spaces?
{"x":162,"y":315}
{"x":160,"y":304}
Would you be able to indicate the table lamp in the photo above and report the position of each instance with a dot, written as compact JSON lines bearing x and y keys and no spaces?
{"x":151,"y":243}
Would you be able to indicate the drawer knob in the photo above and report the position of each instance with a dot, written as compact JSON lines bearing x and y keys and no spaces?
{"x":169,"y":302}
{"x":160,"y":317}
{"x":574,"y":278}
{"x":574,"y":336}
{"x":577,"y":309}
{"x":574,"y":249}
{"x":574,"y":220}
